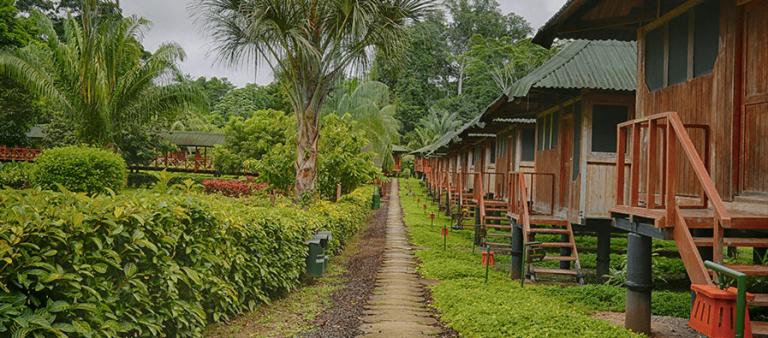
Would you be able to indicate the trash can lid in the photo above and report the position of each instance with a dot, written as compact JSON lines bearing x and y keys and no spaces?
{"x":314,"y":241}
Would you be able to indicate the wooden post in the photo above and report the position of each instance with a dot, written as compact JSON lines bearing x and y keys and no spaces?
{"x":634,"y":191}
{"x":338,"y":192}
{"x":650,"y":184}
{"x":671,"y":172}
{"x":621,"y":148}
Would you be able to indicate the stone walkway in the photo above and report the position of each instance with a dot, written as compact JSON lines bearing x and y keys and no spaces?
{"x":397,"y":307}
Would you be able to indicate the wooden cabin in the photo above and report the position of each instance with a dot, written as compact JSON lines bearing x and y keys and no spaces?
{"x":696,"y":165}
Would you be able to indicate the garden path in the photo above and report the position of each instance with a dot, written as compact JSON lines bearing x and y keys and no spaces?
{"x":397,"y":307}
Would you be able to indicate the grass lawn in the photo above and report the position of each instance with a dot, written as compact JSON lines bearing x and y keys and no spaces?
{"x":501,"y":308}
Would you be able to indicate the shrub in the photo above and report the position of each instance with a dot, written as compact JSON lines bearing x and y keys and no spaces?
{"x":80,"y":169}
{"x":15,"y":174}
{"x":233,"y":188}
{"x":150,"y":265}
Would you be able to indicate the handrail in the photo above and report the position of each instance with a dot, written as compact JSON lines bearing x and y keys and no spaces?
{"x":674,"y":132}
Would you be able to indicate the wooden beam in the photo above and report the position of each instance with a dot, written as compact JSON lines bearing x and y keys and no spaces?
{"x":671,"y":15}
{"x":607,"y":23}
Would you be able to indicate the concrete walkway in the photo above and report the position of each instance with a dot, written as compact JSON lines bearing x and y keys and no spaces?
{"x":397,"y":307}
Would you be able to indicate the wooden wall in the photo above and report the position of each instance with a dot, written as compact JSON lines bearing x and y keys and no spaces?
{"x":708,"y":100}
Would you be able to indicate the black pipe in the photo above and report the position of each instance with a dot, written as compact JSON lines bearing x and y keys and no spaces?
{"x":603,"y":255}
{"x":639,"y":283}
{"x":516,"y":251}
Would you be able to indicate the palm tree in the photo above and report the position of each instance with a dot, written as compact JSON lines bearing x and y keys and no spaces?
{"x":432,"y":127}
{"x":311,"y":43}
{"x":368,"y":105}
{"x":97,"y":77}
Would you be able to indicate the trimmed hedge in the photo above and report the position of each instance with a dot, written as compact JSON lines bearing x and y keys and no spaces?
{"x":15,"y":174}
{"x":80,"y":169}
{"x":147,"y":179}
{"x":146,"y":264}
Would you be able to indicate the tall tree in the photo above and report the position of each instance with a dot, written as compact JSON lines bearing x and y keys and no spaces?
{"x":312,"y":44}
{"x":479,"y":17}
{"x":97,"y":78}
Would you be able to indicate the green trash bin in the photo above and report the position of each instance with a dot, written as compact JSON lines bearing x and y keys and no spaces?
{"x":376,"y":201}
{"x":316,"y":258}
{"x":325,"y":239}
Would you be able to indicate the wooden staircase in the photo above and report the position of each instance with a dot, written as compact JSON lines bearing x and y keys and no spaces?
{"x":658,"y":203}
{"x":533,"y":224}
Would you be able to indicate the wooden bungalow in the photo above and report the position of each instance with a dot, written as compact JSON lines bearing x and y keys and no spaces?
{"x":696,"y":165}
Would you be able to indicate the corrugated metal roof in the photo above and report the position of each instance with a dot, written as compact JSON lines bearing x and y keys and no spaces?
{"x":193,"y":138}
{"x":584,"y":64}
{"x":396,"y":149}
{"x":514,"y":120}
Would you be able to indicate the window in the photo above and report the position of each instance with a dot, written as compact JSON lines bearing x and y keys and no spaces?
{"x":605,"y":118}
{"x":548,"y":129}
{"x":493,"y":152}
{"x":670,"y":57}
{"x":528,"y":152}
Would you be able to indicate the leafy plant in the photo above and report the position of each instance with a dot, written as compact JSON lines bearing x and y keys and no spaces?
{"x":15,"y":174}
{"x":80,"y":169}
{"x":233,"y":188}
{"x":150,"y":265}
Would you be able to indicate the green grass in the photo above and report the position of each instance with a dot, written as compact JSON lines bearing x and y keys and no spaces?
{"x":500,"y":308}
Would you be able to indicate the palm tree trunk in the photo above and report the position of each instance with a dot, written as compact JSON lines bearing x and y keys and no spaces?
{"x":306,"y":151}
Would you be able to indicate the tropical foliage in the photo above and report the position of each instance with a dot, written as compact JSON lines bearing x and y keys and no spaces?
{"x":150,"y":265}
{"x":343,"y":159}
{"x":252,"y":138}
{"x":312,"y":45}
{"x":79,"y":169}
{"x":370,"y":106}
{"x":94,"y":74}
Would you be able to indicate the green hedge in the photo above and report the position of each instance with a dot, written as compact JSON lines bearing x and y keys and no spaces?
{"x":15,"y":175}
{"x":81,"y":169}
{"x":148,"y":265}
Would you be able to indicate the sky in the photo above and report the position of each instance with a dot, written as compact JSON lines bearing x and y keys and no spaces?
{"x":171,"y":21}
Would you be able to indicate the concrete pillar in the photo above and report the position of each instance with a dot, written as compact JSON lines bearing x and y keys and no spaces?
{"x":639,"y":283}
{"x":603,"y":254}
{"x":565,"y":265}
{"x":516,"y":251}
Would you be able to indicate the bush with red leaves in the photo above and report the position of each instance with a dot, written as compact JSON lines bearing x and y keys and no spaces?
{"x":233,"y":188}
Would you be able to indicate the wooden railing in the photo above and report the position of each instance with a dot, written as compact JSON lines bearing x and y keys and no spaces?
{"x":185,"y":163}
{"x":18,"y":154}
{"x":515,"y":192}
{"x":518,"y":202}
{"x":673,"y":131}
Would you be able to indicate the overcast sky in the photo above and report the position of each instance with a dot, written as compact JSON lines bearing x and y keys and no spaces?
{"x":171,"y":22}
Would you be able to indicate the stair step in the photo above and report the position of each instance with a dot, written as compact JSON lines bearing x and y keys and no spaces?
{"x":550,"y":231}
{"x":751,"y":270}
{"x":498,"y":244}
{"x":556,"y":244}
{"x":498,"y":226}
{"x":496,"y":203}
{"x":733,"y":242}
{"x":499,"y":235}
{"x":759,"y":329}
{"x":561,"y":258}
{"x":761,"y":299}
{"x":555,"y":271}
{"x":501,"y":218}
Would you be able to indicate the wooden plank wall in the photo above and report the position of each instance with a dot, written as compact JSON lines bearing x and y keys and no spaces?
{"x":709,"y":100}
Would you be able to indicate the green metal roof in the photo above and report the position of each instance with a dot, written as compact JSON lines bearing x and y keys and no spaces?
{"x":193,"y":138}
{"x":396,"y":149}
{"x":610,"y":65}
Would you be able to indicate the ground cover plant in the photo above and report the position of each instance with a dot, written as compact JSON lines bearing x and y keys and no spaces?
{"x":147,"y":264}
{"x":501,"y":308}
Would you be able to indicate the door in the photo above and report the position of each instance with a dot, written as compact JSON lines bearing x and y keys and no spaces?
{"x":754,"y":119}
{"x":566,"y":159}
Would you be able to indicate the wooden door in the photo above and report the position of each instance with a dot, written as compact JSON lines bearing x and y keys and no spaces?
{"x":754,"y":119}
{"x":566,"y":160}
